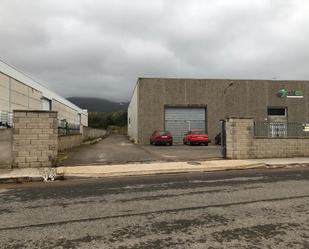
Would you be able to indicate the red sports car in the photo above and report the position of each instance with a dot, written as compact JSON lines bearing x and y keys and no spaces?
{"x":195,"y":137}
{"x":161,"y":137}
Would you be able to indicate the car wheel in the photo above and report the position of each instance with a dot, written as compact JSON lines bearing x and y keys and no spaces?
{"x":191,"y":143}
{"x":171,"y":143}
{"x":206,"y":144}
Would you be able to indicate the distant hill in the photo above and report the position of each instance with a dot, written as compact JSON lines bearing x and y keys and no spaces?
{"x":98,"y":105}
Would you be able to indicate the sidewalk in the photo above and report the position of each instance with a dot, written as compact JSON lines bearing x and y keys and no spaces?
{"x":148,"y":168}
{"x":157,"y":168}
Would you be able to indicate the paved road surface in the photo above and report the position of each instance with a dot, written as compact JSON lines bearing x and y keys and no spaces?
{"x":117,"y":149}
{"x":235,"y":209}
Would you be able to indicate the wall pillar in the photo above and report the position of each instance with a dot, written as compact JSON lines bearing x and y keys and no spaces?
{"x":239,"y":138}
{"x":35,"y":139}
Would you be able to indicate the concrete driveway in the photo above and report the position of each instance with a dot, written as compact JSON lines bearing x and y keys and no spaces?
{"x":117,"y":149}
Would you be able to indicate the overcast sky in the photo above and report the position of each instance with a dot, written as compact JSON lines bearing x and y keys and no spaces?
{"x":98,"y":48}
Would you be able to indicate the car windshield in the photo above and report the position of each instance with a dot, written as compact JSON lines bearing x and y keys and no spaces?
{"x":196,"y":132}
{"x":163,"y":133}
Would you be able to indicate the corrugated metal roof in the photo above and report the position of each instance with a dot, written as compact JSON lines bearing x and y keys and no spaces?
{"x":27,"y":80}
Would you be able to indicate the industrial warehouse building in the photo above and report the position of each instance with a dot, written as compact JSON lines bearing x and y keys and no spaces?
{"x":179,"y":105}
{"x":20,"y":92}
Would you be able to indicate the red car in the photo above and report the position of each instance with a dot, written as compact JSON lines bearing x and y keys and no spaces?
{"x":195,"y":137}
{"x":161,"y":137}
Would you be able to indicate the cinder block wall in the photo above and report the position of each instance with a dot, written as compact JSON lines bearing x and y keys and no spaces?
{"x":92,"y":133}
{"x":241,"y":143}
{"x":239,"y":138}
{"x":35,"y":139}
{"x":69,"y":141}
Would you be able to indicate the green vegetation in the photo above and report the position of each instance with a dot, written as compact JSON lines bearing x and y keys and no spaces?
{"x":104,"y":119}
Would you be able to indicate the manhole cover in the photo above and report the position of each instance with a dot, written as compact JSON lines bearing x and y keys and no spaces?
{"x":194,"y":163}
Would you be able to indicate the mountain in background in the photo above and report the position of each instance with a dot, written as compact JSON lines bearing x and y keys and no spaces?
{"x":98,"y":105}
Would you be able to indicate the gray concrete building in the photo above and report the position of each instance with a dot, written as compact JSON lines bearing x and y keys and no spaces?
{"x":179,"y":105}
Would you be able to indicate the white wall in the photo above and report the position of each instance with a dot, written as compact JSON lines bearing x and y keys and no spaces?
{"x":65,"y":112}
{"x":69,"y":114}
{"x":4,"y":92}
{"x":20,"y":92}
{"x":17,"y":96}
{"x":84,"y":119}
{"x":133,"y":115}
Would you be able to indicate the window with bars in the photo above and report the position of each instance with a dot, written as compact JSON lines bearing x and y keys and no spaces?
{"x":6,"y":119}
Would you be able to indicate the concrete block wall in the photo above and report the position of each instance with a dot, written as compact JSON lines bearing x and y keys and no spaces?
{"x":35,"y":139}
{"x":281,"y":147}
{"x":92,"y":133}
{"x":241,"y":143}
{"x":69,"y":141}
{"x":239,"y":138}
{"x":5,"y":148}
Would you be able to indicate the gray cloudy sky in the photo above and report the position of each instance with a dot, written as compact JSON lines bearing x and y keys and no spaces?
{"x":99,"y":48}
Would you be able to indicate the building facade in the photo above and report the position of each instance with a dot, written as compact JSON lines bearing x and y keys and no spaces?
{"x":180,"y":105}
{"x":20,"y":92}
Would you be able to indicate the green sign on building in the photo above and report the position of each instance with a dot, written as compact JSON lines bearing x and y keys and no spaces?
{"x":283,"y":93}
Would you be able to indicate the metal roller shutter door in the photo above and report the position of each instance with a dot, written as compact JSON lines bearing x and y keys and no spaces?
{"x":180,"y":120}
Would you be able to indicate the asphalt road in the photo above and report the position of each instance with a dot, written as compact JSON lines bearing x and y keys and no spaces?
{"x":117,"y":149}
{"x":234,"y":209}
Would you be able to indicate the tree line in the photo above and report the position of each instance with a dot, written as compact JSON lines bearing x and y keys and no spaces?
{"x":102,"y":120}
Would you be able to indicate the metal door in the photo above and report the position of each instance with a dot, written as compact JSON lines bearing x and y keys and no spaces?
{"x":180,"y":120}
{"x":223,"y":138}
{"x":277,"y":118}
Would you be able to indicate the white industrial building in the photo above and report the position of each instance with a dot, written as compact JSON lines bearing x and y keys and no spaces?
{"x":20,"y":92}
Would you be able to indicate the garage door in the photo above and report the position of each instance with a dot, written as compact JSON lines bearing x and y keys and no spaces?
{"x":181,"y":120}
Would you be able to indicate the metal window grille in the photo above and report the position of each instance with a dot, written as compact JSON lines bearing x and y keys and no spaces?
{"x":280,"y":129}
{"x":66,"y":128}
{"x":6,"y":119}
